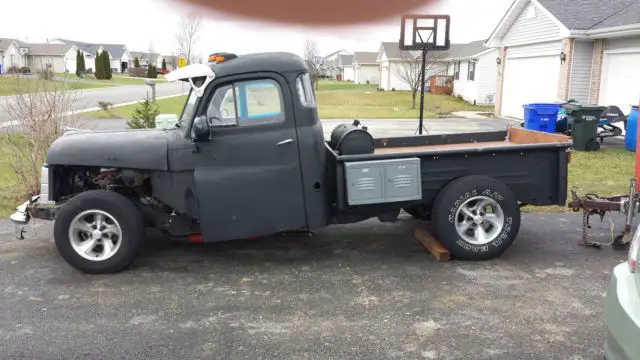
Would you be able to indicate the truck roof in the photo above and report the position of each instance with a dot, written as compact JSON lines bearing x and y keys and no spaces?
{"x":281,"y":62}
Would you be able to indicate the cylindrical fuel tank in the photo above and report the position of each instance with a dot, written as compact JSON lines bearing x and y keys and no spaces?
{"x":349,"y":139}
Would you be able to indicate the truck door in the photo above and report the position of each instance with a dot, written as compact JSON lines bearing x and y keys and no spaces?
{"x":248,"y":177}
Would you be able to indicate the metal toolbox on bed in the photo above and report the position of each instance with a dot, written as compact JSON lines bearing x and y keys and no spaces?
{"x":383,"y":181}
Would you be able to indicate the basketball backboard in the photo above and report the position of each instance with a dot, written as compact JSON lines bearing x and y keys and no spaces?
{"x":430,"y":32}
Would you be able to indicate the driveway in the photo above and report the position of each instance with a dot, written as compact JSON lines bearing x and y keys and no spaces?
{"x":89,"y":98}
{"x":362,"y":291}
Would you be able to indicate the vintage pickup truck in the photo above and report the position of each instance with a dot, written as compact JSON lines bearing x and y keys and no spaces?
{"x":248,"y":158}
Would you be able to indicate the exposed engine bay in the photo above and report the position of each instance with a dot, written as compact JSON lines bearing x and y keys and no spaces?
{"x":128,"y":182}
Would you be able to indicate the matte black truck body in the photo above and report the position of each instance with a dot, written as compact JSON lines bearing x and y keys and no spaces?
{"x":248,"y":158}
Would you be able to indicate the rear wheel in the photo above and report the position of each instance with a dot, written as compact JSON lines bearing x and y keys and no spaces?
{"x":99,"y":232}
{"x":476,"y":217}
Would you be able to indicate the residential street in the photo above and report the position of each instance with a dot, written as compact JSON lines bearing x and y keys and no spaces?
{"x":363,"y":291}
{"x":120,"y":94}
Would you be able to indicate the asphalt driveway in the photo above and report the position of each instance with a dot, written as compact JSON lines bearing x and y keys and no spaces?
{"x":363,"y":291}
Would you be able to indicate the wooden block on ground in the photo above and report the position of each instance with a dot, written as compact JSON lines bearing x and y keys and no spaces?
{"x":432,"y":245}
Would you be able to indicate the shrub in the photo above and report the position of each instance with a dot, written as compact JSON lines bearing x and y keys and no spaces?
{"x":79,"y":59}
{"x":25,"y":70}
{"x":106,"y":106}
{"x":136,"y":62}
{"x":99,"y":67}
{"x":151,"y":72}
{"x":106,"y":65}
{"x":164,"y":71}
{"x":164,"y":64}
{"x":88,"y":71}
{"x":12,"y":70}
{"x":144,"y":115}
{"x":45,"y":74}
{"x":138,"y":72}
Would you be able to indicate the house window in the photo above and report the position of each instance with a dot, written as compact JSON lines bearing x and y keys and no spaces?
{"x":13,"y":60}
{"x":456,"y":70}
{"x":471,"y":72}
{"x":246,"y":103}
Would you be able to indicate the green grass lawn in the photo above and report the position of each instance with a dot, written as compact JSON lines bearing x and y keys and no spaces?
{"x":10,"y":85}
{"x":116,"y":79}
{"x":339,"y":105}
{"x":172,"y":105}
{"x":605,"y":173}
{"x":326,"y":84}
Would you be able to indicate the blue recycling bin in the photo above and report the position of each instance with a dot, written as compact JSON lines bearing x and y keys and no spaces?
{"x":541,"y":117}
{"x":631,"y":129}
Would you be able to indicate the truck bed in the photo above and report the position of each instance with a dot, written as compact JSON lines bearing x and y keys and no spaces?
{"x":511,"y":139}
{"x":533,"y":164}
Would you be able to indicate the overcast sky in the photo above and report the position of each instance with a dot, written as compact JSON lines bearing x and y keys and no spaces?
{"x":139,"y":23}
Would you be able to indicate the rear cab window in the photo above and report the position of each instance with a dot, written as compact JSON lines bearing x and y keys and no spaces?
{"x":304,"y":87}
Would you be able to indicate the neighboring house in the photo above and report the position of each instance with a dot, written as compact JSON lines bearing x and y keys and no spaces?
{"x":475,"y":72}
{"x":562,"y":49}
{"x":57,"y":57}
{"x":345,"y":64}
{"x":330,"y":67}
{"x":366,"y":68}
{"x":12,"y":53}
{"x":146,"y":58}
{"x":119,"y":56}
{"x":392,"y":60}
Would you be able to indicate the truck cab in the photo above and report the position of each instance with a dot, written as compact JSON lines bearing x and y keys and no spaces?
{"x":248,"y":157}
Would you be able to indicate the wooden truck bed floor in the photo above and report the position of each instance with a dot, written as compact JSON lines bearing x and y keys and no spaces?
{"x":517,"y":136}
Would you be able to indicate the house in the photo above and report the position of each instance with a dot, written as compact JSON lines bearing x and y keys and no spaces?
{"x":567,"y":49}
{"x":393,"y":61}
{"x":13,"y":52}
{"x":474,"y":71}
{"x":345,"y":64}
{"x":330,"y":63}
{"x":365,"y":68}
{"x":119,"y":56}
{"x":57,"y":57}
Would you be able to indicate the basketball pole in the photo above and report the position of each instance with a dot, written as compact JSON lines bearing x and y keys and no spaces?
{"x":423,"y":81}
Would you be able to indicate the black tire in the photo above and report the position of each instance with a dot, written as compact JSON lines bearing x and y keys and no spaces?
{"x":420,"y":212}
{"x":593,"y":145}
{"x":453,"y":196}
{"x":117,"y":206}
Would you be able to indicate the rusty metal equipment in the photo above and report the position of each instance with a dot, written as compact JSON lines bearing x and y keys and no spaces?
{"x":592,"y":204}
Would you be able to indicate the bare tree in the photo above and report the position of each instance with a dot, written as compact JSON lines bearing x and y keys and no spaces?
{"x":311,"y":56}
{"x":408,"y":70}
{"x":187,"y":36}
{"x":41,"y":110}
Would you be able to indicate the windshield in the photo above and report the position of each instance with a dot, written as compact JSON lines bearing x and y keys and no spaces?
{"x":189,"y":107}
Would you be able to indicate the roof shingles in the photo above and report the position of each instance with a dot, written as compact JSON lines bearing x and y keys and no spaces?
{"x":593,"y":14}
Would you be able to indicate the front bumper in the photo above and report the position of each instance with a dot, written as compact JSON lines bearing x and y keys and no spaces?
{"x":622,"y":316}
{"x":31,"y":209}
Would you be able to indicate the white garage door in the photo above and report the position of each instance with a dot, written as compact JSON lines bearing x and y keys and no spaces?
{"x":620,"y":84}
{"x":70,"y":65}
{"x":384,"y":77}
{"x":529,"y":80}
{"x":348,"y":73}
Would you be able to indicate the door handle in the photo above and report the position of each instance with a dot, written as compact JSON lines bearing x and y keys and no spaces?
{"x":284,"y":142}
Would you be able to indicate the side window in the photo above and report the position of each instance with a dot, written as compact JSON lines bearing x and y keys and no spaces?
{"x":305,"y":90}
{"x":246,"y":103}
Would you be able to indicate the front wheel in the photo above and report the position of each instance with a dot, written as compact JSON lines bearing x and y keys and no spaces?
{"x":99,"y":232}
{"x":476,"y":217}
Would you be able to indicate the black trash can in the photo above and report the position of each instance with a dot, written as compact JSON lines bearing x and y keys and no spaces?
{"x":582,"y":121}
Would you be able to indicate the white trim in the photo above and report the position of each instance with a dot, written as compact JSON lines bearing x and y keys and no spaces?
{"x":558,"y":39}
{"x":533,"y":55}
{"x":492,"y":37}
{"x":623,"y":51}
